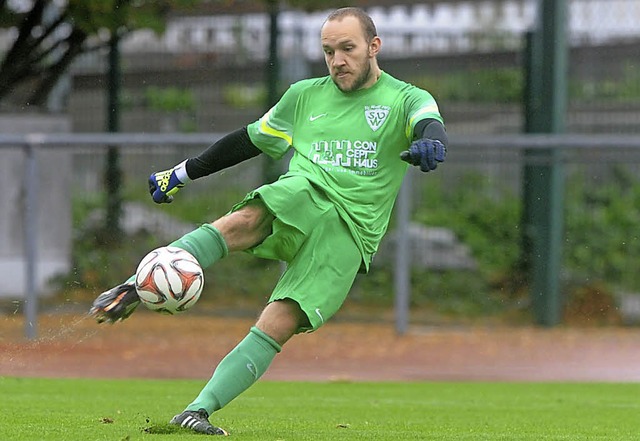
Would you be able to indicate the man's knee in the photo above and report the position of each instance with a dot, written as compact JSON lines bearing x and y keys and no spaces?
{"x":281,"y":320}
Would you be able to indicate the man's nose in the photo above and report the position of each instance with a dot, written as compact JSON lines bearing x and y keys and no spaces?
{"x":338,"y":59}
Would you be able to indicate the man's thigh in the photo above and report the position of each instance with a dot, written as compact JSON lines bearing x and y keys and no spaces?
{"x":297,"y":207}
{"x":321,"y":274}
{"x":246,"y":227}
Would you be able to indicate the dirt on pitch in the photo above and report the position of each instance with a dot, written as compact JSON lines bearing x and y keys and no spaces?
{"x":150,"y":345}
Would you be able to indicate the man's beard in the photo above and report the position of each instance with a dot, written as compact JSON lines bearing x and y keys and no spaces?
{"x":359,"y":81}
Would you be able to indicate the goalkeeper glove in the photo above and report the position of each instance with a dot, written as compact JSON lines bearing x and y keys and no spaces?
{"x":163,"y":185}
{"x":426,"y":153}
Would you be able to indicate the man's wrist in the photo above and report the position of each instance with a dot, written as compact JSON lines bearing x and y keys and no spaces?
{"x":181,"y":172}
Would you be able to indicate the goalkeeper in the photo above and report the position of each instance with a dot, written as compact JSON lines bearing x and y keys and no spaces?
{"x":353,"y":134}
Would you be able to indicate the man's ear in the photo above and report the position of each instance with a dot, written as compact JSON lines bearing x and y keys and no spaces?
{"x":374,"y":46}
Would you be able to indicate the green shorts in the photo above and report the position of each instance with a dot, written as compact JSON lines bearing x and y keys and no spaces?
{"x":321,"y":254}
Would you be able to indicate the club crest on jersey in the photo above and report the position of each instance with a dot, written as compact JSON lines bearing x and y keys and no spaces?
{"x":376,"y":116}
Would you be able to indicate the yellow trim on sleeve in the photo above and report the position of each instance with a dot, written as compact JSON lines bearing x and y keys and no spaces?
{"x":429,"y":109}
{"x":264,"y":128}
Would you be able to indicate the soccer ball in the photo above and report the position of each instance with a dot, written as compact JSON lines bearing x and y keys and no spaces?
{"x":169,"y":280}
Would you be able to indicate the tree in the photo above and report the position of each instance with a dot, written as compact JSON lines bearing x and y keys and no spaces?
{"x":49,"y":35}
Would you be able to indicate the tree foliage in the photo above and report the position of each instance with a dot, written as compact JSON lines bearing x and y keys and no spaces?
{"x":48,"y":35}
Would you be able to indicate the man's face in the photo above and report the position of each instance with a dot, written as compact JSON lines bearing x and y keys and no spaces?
{"x":347,"y":53}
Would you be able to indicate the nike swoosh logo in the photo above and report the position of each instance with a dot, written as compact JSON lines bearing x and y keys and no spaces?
{"x":313,"y":118}
{"x":319,"y":314}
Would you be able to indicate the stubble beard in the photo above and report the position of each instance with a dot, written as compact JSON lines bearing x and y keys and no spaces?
{"x":360,"y":81}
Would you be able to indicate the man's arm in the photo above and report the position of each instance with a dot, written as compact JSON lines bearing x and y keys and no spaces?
{"x":228,"y":151}
{"x":431,"y":129}
{"x":429,"y":146}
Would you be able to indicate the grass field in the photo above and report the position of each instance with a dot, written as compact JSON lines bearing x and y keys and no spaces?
{"x":119,"y":410}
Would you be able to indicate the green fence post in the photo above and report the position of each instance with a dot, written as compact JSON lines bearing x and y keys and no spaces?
{"x":113,"y":168}
{"x":272,"y":169}
{"x":543,"y":191}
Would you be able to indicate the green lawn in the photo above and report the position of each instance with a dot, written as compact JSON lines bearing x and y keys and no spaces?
{"x":121,"y":410}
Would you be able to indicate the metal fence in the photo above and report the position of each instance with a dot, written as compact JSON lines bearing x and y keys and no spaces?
{"x":495,"y":161}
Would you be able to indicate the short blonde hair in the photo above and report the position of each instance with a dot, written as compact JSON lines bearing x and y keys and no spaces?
{"x":365,"y":20}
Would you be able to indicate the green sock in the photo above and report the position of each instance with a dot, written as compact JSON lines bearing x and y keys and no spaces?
{"x":205,"y":243}
{"x":237,"y":371}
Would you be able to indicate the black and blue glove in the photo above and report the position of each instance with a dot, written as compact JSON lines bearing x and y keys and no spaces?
{"x":163,"y":185}
{"x":426,"y":153}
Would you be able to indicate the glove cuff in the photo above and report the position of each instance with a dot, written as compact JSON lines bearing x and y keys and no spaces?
{"x":181,"y":172}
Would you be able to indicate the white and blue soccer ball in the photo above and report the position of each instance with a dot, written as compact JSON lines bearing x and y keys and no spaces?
{"x":169,"y":280}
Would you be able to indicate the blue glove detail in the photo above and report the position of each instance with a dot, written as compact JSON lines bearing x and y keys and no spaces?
{"x":426,"y":153}
{"x":163,"y":185}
